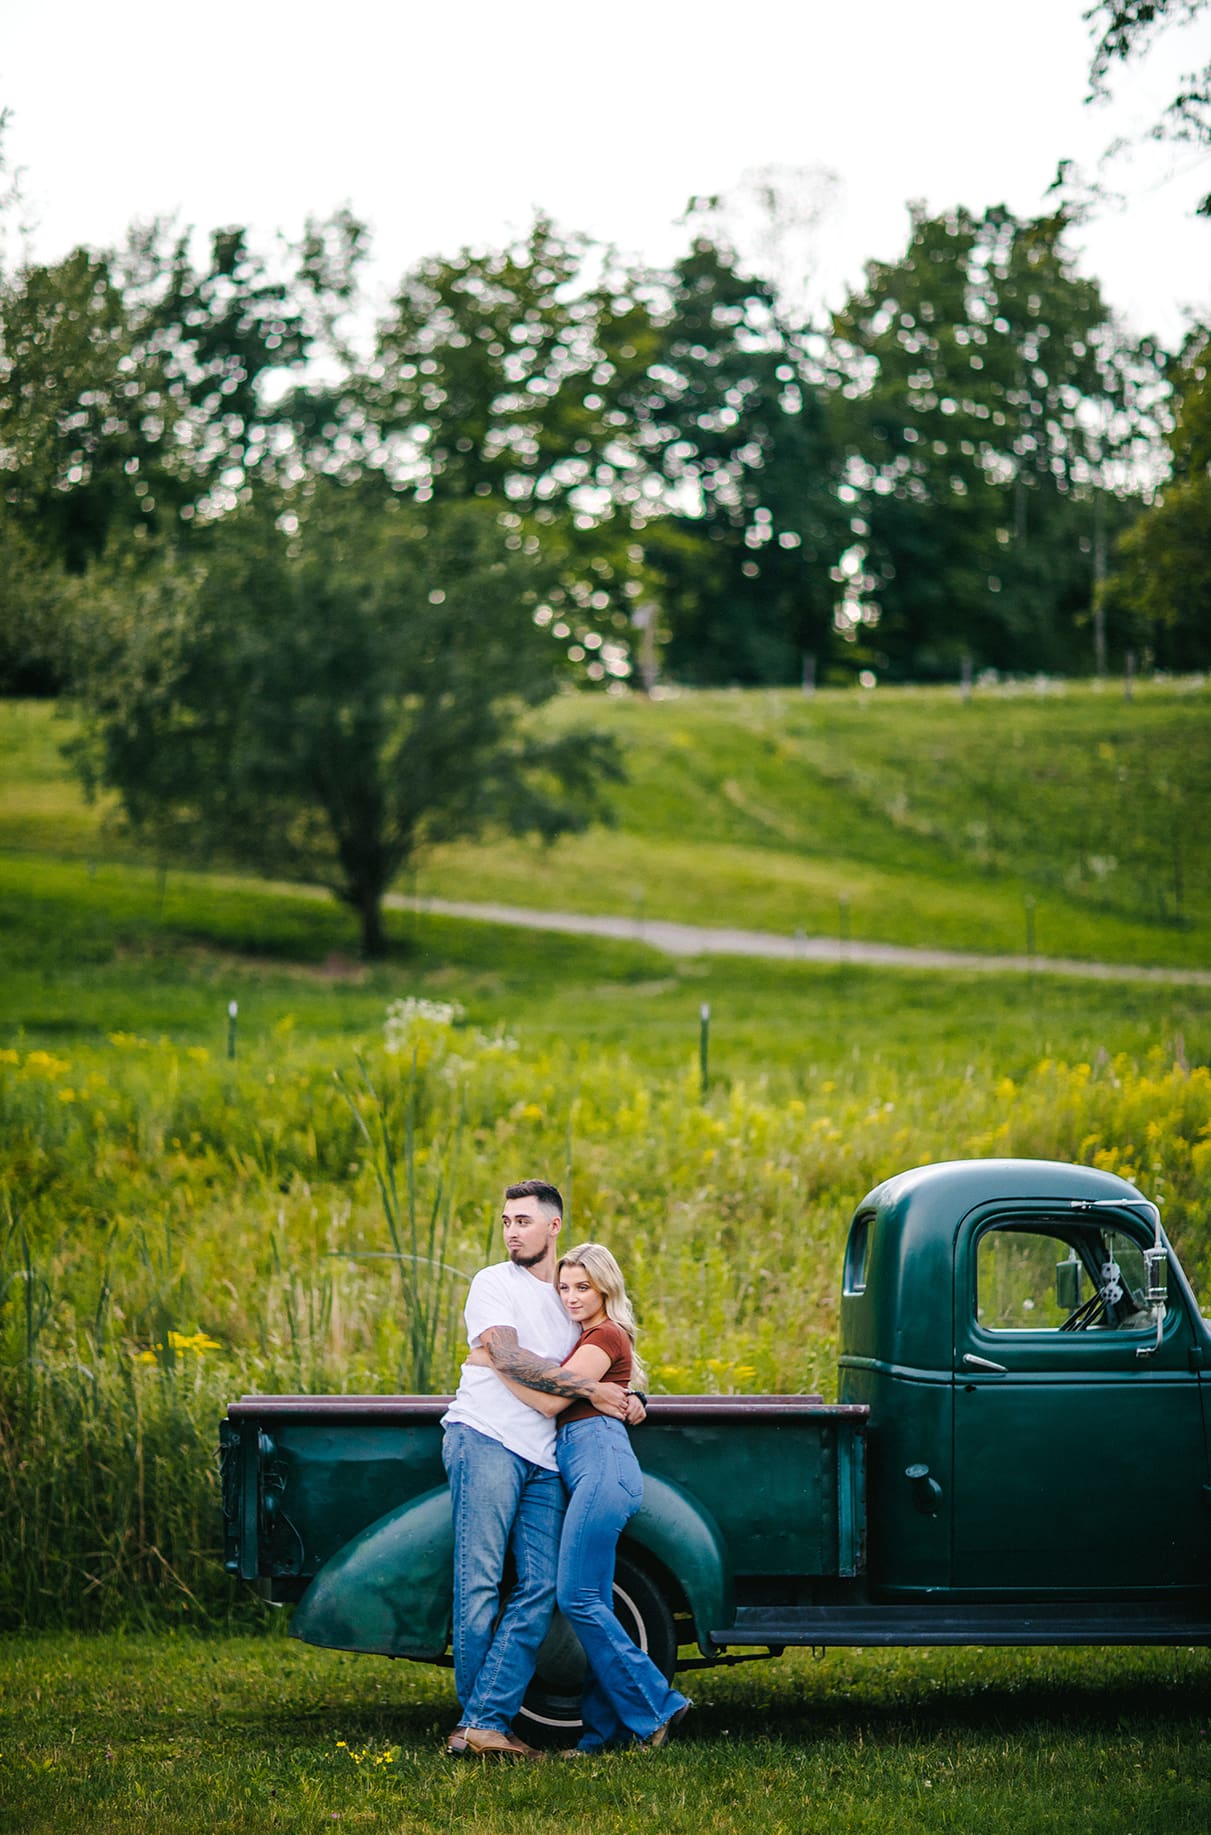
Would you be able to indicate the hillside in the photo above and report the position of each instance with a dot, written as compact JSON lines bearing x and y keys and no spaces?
{"x":1059,"y":814}
{"x":907,"y":816}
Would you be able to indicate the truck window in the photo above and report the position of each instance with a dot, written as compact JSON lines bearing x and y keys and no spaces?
{"x":857,"y":1252}
{"x":1039,"y":1280}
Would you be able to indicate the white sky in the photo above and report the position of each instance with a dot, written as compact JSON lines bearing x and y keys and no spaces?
{"x":446,"y":125}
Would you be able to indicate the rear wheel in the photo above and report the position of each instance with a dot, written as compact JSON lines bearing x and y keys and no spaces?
{"x":551,"y":1709}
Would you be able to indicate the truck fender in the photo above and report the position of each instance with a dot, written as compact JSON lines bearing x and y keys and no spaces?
{"x":683,"y":1536}
{"x":390,"y":1590}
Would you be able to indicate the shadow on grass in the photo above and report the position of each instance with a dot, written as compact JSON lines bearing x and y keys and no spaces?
{"x":887,"y":1714}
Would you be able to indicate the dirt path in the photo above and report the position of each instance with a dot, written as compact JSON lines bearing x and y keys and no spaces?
{"x":698,"y":940}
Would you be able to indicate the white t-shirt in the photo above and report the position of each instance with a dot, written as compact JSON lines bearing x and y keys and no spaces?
{"x":508,"y":1295}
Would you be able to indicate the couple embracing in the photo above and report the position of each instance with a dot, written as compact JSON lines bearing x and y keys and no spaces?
{"x":540,"y":1467}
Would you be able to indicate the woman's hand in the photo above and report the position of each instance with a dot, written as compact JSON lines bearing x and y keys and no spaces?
{"x":479,"y":1358}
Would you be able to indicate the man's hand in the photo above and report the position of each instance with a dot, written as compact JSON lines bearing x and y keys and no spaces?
{"x":637,"y":1412}
{"x":609,"y":1399}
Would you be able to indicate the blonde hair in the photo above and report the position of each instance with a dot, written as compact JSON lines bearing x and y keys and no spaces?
{"x":606,"y":1277}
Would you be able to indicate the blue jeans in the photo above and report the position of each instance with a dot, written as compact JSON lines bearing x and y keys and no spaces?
{"x":501,"y":1503}
{"x":625,"y":1697}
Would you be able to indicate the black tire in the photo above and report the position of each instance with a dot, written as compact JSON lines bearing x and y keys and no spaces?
{"x":550,"y":1713}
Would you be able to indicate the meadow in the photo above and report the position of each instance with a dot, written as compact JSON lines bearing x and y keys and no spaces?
{"x":193,"y":1207}
{"x":905,"y":815}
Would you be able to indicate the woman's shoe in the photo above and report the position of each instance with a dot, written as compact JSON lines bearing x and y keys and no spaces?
{"x":662,"y":1734}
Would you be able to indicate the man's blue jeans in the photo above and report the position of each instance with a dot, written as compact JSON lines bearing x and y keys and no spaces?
{"x":625,"y":1696}
{"x":501,"y":1503}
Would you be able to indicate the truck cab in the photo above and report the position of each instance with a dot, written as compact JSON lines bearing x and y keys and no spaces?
{"x":1037,"y":1375}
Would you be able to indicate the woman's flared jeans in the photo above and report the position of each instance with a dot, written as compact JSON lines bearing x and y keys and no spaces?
{"x":625,"y":1694}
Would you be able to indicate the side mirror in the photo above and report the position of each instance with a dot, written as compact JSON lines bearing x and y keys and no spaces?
{"x":1156,"y":1292}
{"x":1068,"y":1284}
{"x":1156,"y":1266}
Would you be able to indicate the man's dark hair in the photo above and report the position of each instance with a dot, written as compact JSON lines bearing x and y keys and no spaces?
{"x":547,"y":1195}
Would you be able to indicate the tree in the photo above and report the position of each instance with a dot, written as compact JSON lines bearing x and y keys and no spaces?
{"x":995,"y":418}
{"x":506,"y":376}
{"x":1159,"y":595}
{"x":736,"y":425}
{"x":133,"y":396}
{"x":132,"y":385}
{"x":1126,"y":29}
{"x":327,"y":690}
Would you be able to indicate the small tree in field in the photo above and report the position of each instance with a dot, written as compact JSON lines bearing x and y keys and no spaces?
{"x":323,"y":690}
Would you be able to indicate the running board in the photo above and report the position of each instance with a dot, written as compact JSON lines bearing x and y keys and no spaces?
{"x":1133,"y":1622}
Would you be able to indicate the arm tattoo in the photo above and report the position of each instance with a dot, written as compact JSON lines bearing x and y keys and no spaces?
{"x":543,"y":1374}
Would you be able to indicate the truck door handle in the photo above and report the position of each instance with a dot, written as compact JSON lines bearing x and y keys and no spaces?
{"x":973,"y":1362}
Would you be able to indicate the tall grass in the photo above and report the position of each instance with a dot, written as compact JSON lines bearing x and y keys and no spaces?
{"x":179,"y":1229}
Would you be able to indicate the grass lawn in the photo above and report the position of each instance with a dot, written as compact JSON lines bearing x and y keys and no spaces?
{"x":906,"y":816}
{"x":177,"y":1734}
{"x":86,"y":953}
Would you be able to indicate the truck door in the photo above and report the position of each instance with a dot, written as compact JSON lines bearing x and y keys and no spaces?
{"x":1079,"y":1451}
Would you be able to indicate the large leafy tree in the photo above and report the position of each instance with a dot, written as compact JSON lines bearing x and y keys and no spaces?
{"x":132,"y":385}
{"x":735,"y":423}
{"x":995,"y":421}
{"x":499,"y":371}
{"x":504,"y":376}
{"x":323,"y":688}
{"x":134,"y":395}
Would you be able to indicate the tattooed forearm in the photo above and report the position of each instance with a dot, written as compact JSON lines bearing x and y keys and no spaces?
{"x":533,"y":1372}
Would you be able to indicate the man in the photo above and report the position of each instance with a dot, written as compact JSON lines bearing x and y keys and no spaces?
{"x":499,"y":1456}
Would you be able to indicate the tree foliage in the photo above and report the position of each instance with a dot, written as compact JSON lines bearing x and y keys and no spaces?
{"x":993,"y":415}
{"x":1160,"y":592}
{"x":934,"y":478}
{"x":133,"y":397}
{"x":1126,"y":29}
{"x":737,"y":426}
{"x":325,"y":692}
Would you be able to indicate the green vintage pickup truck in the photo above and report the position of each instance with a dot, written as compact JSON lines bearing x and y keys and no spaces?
{"x":1019,"y":1455}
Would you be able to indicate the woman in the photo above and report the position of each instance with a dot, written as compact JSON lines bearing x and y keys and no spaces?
{"x":626,"y":1699}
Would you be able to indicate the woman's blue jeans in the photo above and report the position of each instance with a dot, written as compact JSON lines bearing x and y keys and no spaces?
{"x":625,"y":1696}
{"x":501,"y":1502}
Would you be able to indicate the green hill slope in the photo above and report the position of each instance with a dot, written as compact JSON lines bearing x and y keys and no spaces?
{"x":1062,"y":815}
{"x":907,"y":816}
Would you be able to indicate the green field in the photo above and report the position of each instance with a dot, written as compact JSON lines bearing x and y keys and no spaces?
{"x":237,"y":1736}
{"x":909,"y":816}
{"x":180,"y":1224}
